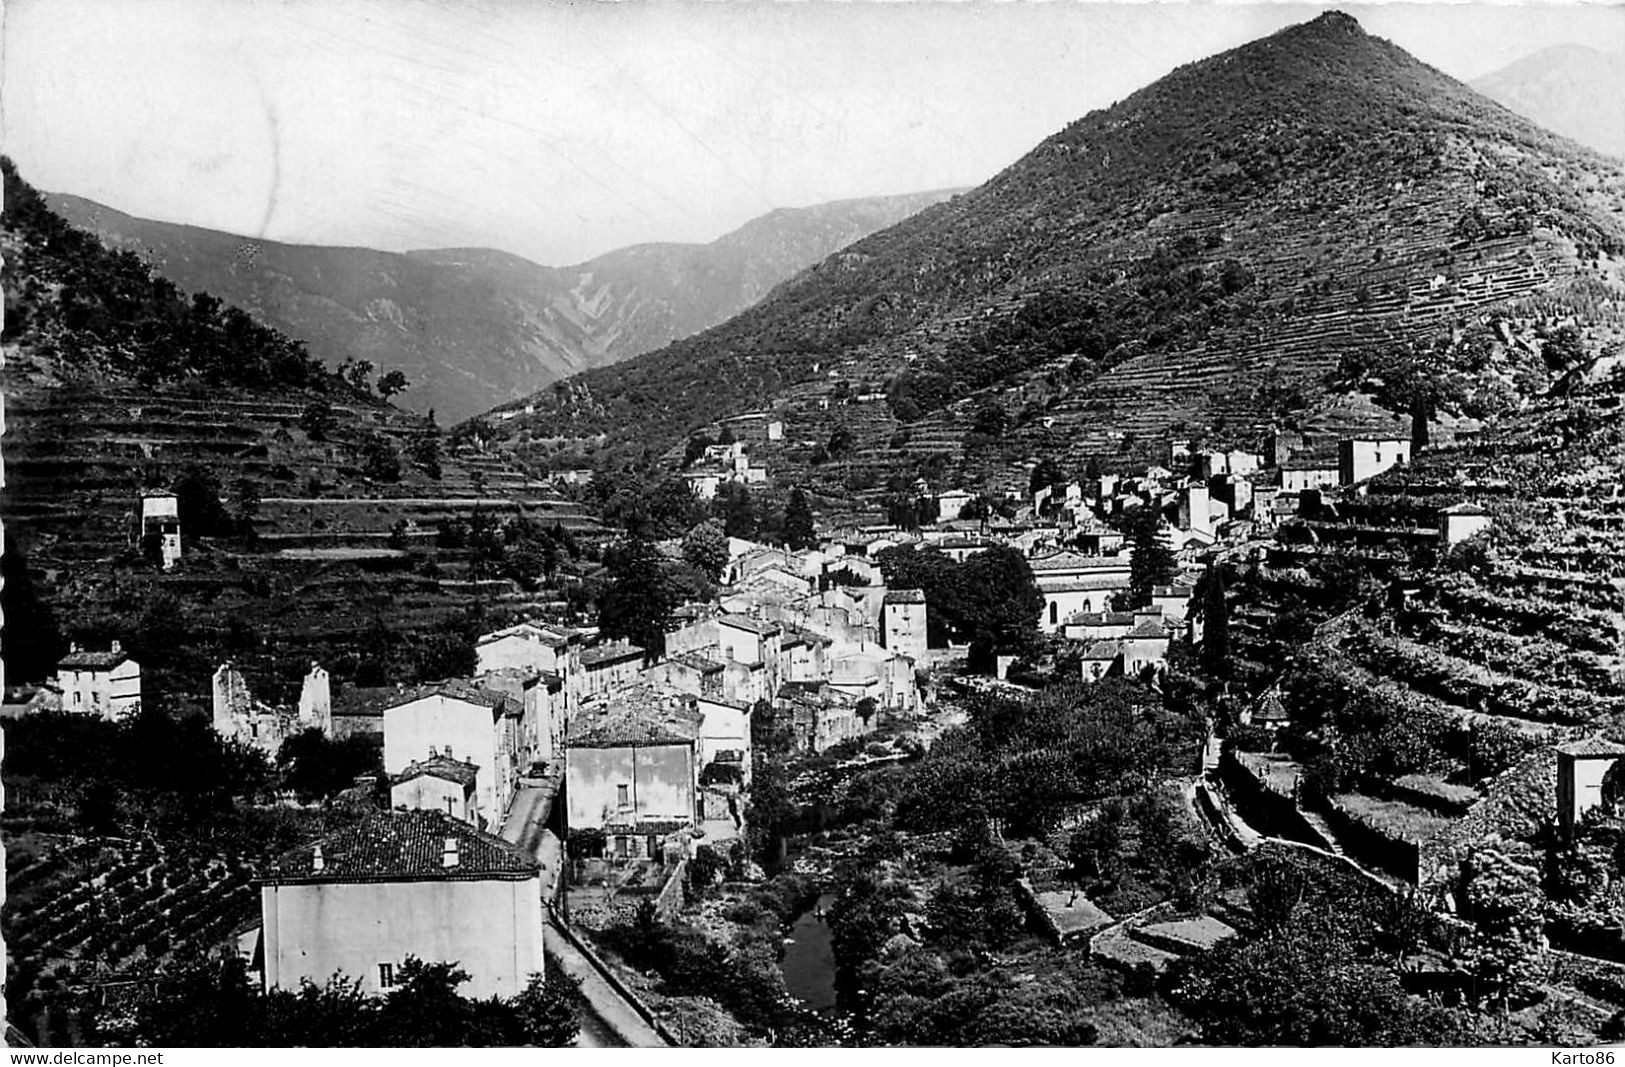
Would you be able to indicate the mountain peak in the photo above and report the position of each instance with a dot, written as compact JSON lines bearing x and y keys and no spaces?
{"x":1335,"y":22}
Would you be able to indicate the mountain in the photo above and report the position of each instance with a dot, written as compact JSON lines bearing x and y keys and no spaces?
{"x":471,"y":328}
{"x":1570,"y":89}
{"x":1196,"y":258}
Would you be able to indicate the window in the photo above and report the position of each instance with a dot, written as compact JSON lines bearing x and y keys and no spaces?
{"x":386,"y":976}
{"x":1054,"y":612}
{"x":449,"y":809}
{"x":623,"y":796}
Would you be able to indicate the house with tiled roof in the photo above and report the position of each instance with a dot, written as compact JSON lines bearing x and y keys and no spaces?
{"x":1101,"y":658}
{"x":1072,"y":582}
{"x":438,"y":783}
{"x":104,"y":684}
{"x":607,"y":667}
{"x":530,"y":646}
{"x":1146,"y":645}
{"x":403,"y":883}
{"x":465,"y":721}
{"x":632,"y":766}
{"x":1091,"y":626}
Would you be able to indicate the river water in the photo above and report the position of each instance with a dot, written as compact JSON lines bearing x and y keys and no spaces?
{"x":809,"y":958}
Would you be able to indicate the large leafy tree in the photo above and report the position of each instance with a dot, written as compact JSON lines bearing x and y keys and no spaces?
{"x":638,"y":602}
{"x":706,"y":548}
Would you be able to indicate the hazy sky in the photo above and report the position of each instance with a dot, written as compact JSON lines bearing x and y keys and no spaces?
{"x":561,"y":130}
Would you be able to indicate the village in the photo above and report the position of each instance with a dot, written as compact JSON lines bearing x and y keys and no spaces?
{"x":576,"y":774}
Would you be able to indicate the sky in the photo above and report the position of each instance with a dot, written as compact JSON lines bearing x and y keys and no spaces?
{"x":561,"y":130}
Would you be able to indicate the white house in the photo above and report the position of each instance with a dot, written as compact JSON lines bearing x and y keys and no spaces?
{"x":1458,"y":522}
{"x":1362,"y":458}
{"x":464,"y":722}
{"x":161,"y":520}
{"x":438,"y":783}
{"x":107,"y":684}
{"x":903,"y":623}
{"x":1071,"y":582}
{"x":399,"y":884}
{"x":632,"y":770}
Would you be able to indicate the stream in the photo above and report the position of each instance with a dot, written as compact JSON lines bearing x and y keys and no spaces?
{"x":809,"y":958}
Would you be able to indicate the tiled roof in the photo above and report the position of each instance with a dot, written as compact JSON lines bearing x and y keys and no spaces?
{"x":593,"y":657}
{"x":1103,"y":650}
{"x":748,"y":624}
{"x":452,"y":770}
{"x":699,"y":661}
{"x":1464,"y":508}
{"x":1592,"y":747}
{"x":404,"y":846}
{"x":1149,"y":628}
{"x":91,"y":661}
{"x":1085,"y":585}
{"x":642,"y":715}
{"x":905,"y":596}
{"x":555,"y":638}
{"x":1100,"y":618}
{"x":1076,"y":561}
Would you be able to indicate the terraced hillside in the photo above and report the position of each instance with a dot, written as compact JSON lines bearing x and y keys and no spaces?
{"x":1425,"y":686}
{"x":315,"y":517}
{"x":1199,"y":256}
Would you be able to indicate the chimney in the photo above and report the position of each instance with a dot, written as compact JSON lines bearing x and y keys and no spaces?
{"x":448,"y":855}
{"x":316,"y":860}
{"x":117,"y":647}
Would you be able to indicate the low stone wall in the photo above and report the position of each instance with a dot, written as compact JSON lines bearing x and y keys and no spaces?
{"x":1374,"y":845}
{"x":1271,"y":813}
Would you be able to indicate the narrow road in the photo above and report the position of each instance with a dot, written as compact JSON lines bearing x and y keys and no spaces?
{"x":617,"y":1023}
{"x":609,"y":1022}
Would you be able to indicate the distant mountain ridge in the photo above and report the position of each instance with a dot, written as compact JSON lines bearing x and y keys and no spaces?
{"x":472,"y":328}
{"x":1188,"y":260}
{"x":1573,"y":90}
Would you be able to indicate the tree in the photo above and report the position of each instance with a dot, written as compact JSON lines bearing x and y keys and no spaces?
{"x":391,"y":383}
{"x":799,"y":529}
{"x":738,"y":511}
{"x":638,"y":602}
{"x":317,"y":419}
{"x":1046,"y":472}
{"x":356,"y":372}
{"x":379,"y":460}
{"x":197,"y":500}
{"x":314,"y":765}
{"x":1215,"y":625}
{"x":247,"y":492}
{"x":547,"y":1010}
{"x":1153,"y":563}
{"x":706,"y":548}
{"x":990,"y":420}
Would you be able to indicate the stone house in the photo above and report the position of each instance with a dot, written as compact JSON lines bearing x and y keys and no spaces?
{"x":399,"y":884}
